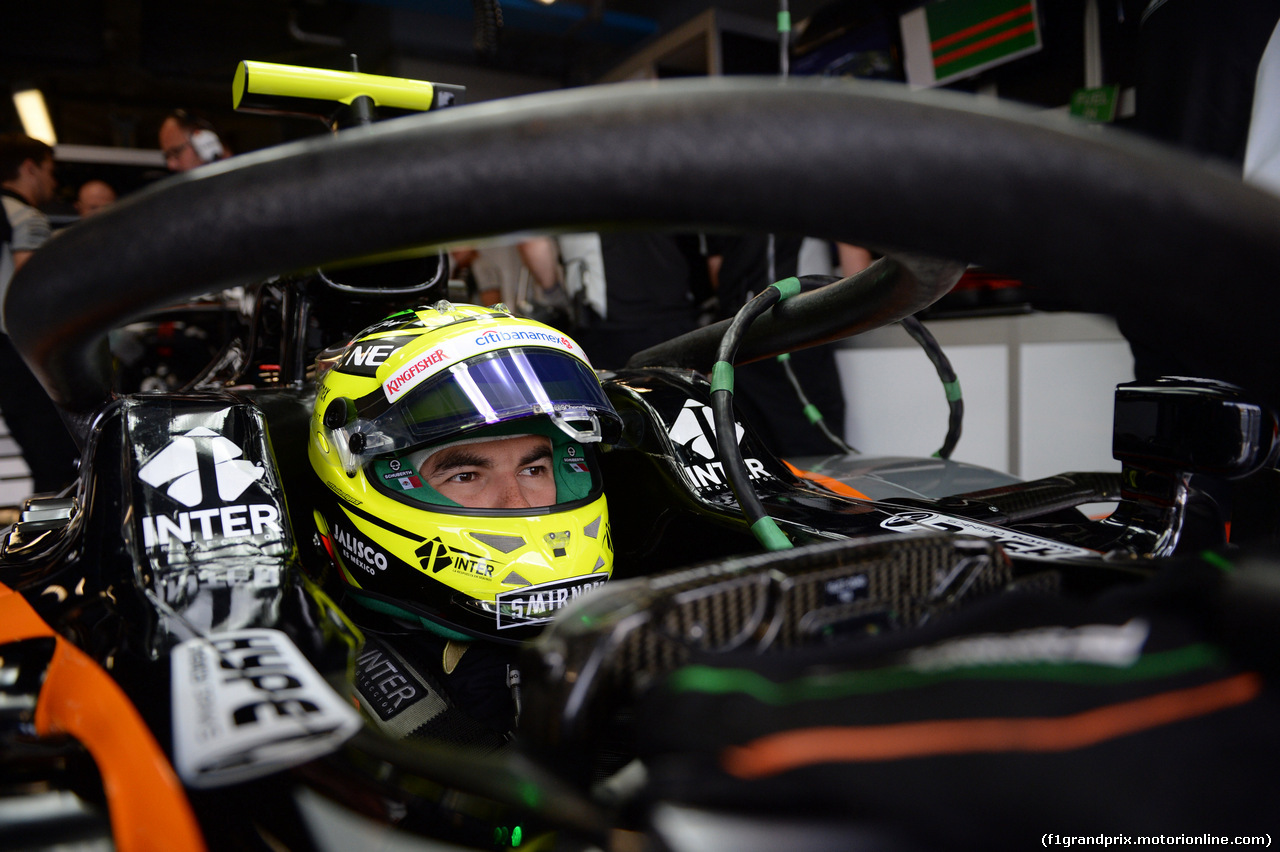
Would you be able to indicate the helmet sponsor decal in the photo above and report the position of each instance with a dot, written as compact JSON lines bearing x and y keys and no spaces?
{"x":539,"y":604}
{"x":1014,"y":543}
{"x":366,"y":356}
{"x":452,"y":351}
{"x":437,"y":556}
{"x":411,"y":375}
{"x":496,"y":338}
{"x":358,"y":553}
{"x":248,"y":704}
{"x":385,"y":683}
{"x":401,"y":475}
{"x":204,"y":472}
{"x":573,"y":461}
{"x":694,"y":435}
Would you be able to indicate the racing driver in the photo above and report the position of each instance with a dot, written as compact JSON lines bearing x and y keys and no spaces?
{"x":463,"y":507}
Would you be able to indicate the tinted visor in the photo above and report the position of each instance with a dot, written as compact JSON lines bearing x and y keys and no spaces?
{"x":496,"y":387}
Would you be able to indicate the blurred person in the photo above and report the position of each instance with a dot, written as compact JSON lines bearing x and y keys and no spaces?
{"x":741,"y":267}
{"x":188,"y":142}
{"x":27,"y":181}
{"x":633,"y":289}
{"x":94,"y":195}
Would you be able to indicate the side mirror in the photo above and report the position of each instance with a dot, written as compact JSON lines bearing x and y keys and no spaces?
{"x":1193,"y":425}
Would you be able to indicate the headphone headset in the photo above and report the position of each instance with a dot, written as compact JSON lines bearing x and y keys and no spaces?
{"x":206,"y":144}
{"x":204,"y":141}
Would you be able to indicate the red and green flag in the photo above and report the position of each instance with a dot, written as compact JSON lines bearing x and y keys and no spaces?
{"x":947,"y":40}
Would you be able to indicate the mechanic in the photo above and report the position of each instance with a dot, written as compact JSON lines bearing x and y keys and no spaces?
{"x":188,"y":141}
{"x":462,"y":507}
{"x":28,"y":180}
{"x":94,"y":196}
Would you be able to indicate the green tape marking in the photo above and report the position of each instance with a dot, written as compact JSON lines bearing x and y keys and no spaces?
{"x":787,"y":287}
{"x":722,"y":377}
{"x":1217,"y":561}
{"x":953,"y":390}
{"x":767,"y":533}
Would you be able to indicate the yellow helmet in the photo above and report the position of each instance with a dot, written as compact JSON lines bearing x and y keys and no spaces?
{"x":439,"y":376}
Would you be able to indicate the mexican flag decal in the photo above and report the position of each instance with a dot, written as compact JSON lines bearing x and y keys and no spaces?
{"x":947,"y":40}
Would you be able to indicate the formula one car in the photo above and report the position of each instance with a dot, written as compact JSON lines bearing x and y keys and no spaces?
{"x":778,"y":661}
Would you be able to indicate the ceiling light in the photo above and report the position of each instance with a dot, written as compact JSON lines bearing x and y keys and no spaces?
{"x":34,"y":115}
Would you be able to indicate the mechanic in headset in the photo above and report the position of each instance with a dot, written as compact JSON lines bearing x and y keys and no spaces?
{"x":188,"y":142}
{"x":462,"y":507}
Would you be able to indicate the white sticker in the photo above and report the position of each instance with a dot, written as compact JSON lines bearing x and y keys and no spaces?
{"x":694,"y":435}
{"x":539,"y":604}
{"x":247,"y":704}
{"x":1014,"y":543}
{"x":458,"y":349}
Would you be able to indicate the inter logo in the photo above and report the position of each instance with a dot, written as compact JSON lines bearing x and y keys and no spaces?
{"x":437,"y":556}
{"x":176,"y":468}
{"x":205,"y":472}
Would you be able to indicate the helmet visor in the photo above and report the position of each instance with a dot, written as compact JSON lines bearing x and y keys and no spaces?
{"x":495,"y":387}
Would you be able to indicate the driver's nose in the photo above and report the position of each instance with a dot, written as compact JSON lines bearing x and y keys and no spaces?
{"x":510,"y":495}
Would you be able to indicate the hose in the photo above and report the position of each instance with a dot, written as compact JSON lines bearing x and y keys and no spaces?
{"x":763,"y":527}
{"x":950,"y":384}
{"x":811,"y":412}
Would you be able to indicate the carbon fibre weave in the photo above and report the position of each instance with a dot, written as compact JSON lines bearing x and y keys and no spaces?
{"x":1064,"y":491}
{"x":772,"y":602}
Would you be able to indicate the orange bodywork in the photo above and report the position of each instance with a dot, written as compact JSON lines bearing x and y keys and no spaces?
{"x":149,"y":808}
{"x":827,"y":482}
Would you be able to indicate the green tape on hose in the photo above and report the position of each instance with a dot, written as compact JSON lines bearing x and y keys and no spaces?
{"x":811,"y":411}
{"x":767,"y":533}
{"x":1219,"y":562}
{"x":953,"y":390}
{"x":788,"y":287}
{"x":722,"y":377}
{"x":784,"y":22}
{"x":784,"y":357}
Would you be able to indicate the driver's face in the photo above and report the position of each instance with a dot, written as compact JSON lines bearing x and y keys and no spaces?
{"x":512,"y":473}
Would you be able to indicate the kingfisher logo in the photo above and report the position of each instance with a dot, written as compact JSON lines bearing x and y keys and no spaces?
{"x":694,"y":435}
{"x":410,"y":375}
{"x":204,"y":471}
